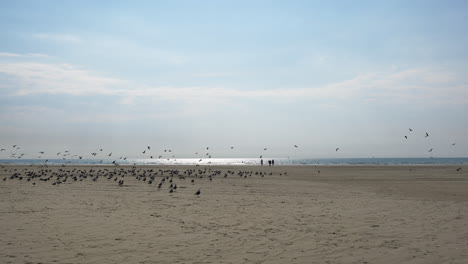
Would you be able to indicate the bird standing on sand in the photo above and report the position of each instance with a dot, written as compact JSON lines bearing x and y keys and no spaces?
{"x":198,"y":193}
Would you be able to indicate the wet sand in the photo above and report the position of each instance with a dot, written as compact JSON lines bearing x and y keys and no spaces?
{"x":344,"y":214}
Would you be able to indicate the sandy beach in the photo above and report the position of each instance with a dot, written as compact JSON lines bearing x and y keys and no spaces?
{"x":281,"y":214}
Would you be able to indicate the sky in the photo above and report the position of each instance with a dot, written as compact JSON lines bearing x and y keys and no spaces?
{"x":187,"y":75}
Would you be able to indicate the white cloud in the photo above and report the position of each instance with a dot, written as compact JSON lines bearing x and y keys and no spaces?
{"x":43,"y":78}
{"x":26,"y":55}
{"x":408,"y":86}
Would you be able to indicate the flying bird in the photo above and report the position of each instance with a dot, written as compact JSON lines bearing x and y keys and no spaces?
{"x":427,"y":134}
{"x":149,"y":147}
{"x":295,"y":146}
{"x":110,"y":154}
{"x":430,"y":150}
{"x":411,"y":130}
{"x":406,"y":137}
{"x":453,"y":144}
{"x":337,"y":149}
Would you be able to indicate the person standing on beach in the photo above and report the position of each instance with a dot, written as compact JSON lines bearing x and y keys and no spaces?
{"x":269,"y":162}
{"x":261,"y":162}
{"x":272,"y":162}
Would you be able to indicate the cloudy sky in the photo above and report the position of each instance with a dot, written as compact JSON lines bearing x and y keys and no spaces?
{"x":185,"y":75}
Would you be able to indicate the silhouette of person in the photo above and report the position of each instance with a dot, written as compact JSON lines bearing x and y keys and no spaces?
{"x":261,"y":162}
{"x":272,"y":162}
{"x":269,"y":162}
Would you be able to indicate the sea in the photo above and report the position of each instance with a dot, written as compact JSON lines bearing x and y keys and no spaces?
{"x":242,"y":161}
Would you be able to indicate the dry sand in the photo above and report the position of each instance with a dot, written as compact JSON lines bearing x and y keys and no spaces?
{"x":345,"y":214}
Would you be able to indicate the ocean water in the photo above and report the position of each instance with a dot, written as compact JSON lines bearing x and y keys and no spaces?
{"x":246,"y":161}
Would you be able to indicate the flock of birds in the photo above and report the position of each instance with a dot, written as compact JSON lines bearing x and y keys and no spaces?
{"x":168,"y":179}
{"x":426,"y":136}
{"x":101,"y":155}
{"x":161,"y":178}
{"x":166,"y":154}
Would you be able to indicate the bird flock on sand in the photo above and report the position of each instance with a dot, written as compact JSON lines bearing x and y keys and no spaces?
{"x":169,"y":179}
{"x":160,"y":178}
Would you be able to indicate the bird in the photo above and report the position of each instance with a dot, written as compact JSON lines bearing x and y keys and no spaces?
{"x":265,"y":149}
{"x":427,"y":135}
{"x":110,"y":154}
{"x":144,"y":151}
{"x":430,"y":150}
{"x":2,"y":150}
{"x":337,"y":149}
{"x":453,"y":144}
{"x":406,"y":137}
{"x":149,"y":147}
{"x":42,"y":152}
{"x":411,"y":130}
{"x":459,"y":169}
{"x":232,"y":147}
{"x":295,"y":146}
{"x":198,"y":192}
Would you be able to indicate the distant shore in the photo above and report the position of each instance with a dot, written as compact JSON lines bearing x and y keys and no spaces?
{"x":242,"y":161}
